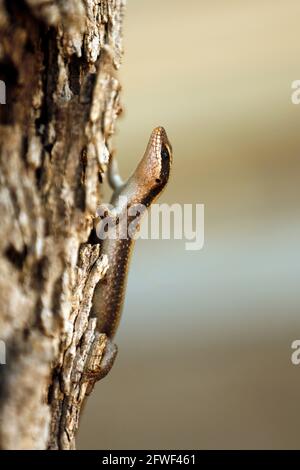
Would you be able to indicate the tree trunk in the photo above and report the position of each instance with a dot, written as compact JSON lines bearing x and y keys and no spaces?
{"x":58,"y":61}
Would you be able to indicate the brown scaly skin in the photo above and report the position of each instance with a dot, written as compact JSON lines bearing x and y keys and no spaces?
{"x":143,"y":187}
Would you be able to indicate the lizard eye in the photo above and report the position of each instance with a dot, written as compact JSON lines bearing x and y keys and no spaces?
{"x":165,"y":153}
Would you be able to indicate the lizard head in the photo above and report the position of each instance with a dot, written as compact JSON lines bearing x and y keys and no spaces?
{"x":154,"y":168}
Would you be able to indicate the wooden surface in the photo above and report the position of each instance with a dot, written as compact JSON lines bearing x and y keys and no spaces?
{"x":58,"y":61}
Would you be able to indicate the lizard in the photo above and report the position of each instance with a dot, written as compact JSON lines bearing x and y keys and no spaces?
{"x":142,"y":188}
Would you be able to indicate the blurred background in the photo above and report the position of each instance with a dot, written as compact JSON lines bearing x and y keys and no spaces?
{"x":205,"y":338}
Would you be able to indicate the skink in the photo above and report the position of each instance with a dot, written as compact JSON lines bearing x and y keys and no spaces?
{"x":143,"y":187}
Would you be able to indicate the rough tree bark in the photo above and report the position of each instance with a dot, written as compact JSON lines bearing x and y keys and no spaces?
{"x":58,"y":60}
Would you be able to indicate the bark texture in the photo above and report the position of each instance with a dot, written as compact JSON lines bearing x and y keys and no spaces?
{"x":58,"y":60}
